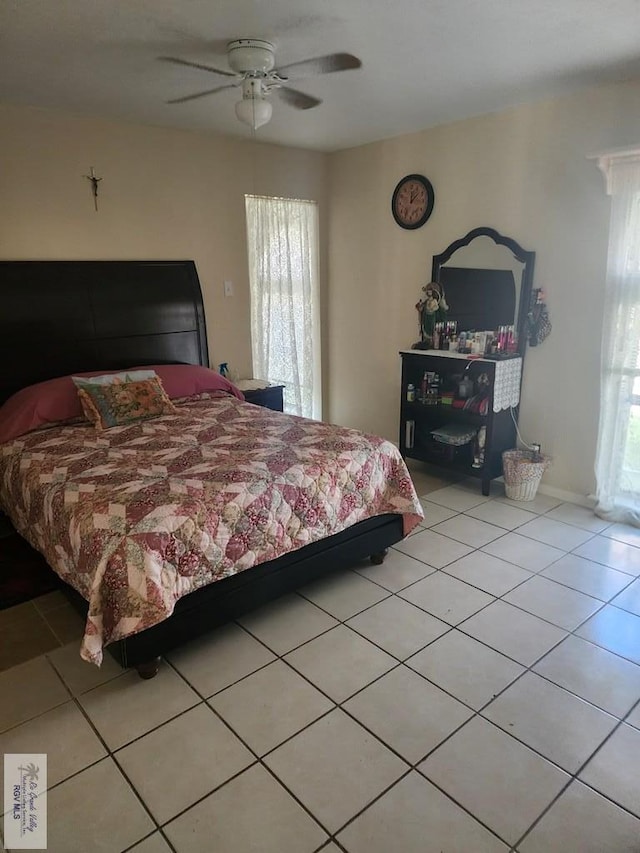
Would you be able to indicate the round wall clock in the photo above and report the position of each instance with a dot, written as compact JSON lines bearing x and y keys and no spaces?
{"x":412,"y":201}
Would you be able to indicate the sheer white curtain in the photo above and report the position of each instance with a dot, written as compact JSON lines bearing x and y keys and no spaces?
{"x":282,"y":238}
{"x":618,"y":454}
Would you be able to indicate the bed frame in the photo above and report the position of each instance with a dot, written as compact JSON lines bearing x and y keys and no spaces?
{"x":62,"y":317}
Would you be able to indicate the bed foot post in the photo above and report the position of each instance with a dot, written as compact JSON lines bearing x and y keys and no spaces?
{"x":149,"y":668}
{"x":378,"y":558}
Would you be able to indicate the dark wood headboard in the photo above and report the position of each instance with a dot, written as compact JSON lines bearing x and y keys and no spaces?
{"x":62,"y":317}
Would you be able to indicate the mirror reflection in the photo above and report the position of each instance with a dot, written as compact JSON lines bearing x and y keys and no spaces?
{"x":482,"y":283}
{"x":486,"y":281}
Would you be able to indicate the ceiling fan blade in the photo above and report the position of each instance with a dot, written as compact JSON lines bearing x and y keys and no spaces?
{"x":297,"y":99}
{"x":320,"y":65}
{"x":199,"y":95}
{"x":175,"y":61}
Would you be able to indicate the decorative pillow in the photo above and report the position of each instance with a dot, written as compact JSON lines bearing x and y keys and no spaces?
{"x":57,"y":400}
{"x":120,"y":398}
{"x":132,"y":375}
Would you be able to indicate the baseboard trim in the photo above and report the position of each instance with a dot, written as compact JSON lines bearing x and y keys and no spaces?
{"x":569,"y":497}
{"x":553,"y":492}
{"x":561,"y":494}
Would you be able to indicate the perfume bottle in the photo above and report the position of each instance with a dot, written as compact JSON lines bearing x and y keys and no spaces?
{"x":423,"y":387}
{"x":465,"y":387}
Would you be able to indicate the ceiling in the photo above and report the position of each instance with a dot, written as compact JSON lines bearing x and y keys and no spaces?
{"x":424,"y":62}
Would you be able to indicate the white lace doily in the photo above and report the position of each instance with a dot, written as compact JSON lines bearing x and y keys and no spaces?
{"x":506,"y":390}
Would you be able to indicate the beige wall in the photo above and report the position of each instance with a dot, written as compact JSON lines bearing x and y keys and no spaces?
{"x":164,"y":194}
{"x":523,"y":172}
{"x":174,"y":194}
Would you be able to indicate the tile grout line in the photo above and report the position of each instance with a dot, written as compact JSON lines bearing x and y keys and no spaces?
{"x":574,"y":778}
{"x":525,"y":671}
{"x":45,"y":657}
{"x":530,"y":669}
{"x":400,"y":662}
{"x":110,"y":755}
{"x":466,"y":514}
{"x":156,"y":823}
{"x":517,"y":527}
{"x":279,"y":657}
{"x":257,"y":762}
{"x":536,"y":574}
{"x":339,"y":706}
{"x":414,"y":765}
{"x":258,"y":758}
{"x":148,"y":838}
{"x":344,"y":623}
{"x":203,"y":701}
{"x":445,"y":793}
{"x":43,"y":616}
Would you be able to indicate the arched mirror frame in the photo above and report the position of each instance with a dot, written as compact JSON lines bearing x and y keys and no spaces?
{"x":520,"y":254}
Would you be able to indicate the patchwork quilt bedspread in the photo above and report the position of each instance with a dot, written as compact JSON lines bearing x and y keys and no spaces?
{"x":137,"y":516}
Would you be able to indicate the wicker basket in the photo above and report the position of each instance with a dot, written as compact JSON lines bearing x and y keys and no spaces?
{"x":522,"y":473}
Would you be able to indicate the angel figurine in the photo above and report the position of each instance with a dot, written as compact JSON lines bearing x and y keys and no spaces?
{"x":432,"y":309}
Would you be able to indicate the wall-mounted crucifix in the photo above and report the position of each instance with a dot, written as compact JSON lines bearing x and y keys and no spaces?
{"x":94,"y":180}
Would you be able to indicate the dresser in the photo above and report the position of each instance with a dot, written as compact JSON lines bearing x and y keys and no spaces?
{"x":477,"y":416}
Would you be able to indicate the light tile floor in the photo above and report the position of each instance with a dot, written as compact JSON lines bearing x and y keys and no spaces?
{"x":478,"y":692}
{"x":37,"y":626}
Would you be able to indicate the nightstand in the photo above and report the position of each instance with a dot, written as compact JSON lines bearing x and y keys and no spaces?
{"x":269,"y":398}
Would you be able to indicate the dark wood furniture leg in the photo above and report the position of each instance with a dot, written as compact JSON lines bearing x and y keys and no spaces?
{"x":486,"y":487}
{"x":148,"y":669}
{"x":377,"y":559}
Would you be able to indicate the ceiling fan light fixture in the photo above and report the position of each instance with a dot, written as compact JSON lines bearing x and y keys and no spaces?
{"x":254,"y":111}
{"x":255,"y":55}
{"x":252,"y":64}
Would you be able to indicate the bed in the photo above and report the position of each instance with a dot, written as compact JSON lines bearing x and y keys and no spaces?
{"x":65,"y":318}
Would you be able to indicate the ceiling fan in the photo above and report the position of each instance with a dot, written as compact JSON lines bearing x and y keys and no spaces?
{"x":253,"y":68}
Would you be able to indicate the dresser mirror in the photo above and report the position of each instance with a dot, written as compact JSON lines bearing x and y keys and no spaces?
{"x":487,"y":280}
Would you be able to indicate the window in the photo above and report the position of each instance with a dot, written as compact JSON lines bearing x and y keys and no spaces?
{"x":282,"y":243}
{"x":618,"y":455}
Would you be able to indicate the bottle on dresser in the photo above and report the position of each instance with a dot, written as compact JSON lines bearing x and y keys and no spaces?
{"x":424,"y":385}
{"x":433,"y":391}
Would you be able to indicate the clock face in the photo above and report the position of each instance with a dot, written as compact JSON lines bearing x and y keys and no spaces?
{"x":412,"y":201}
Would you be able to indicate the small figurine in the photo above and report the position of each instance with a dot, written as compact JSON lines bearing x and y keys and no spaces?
{"x":432,"y":309}
{"x":539,"y":324}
